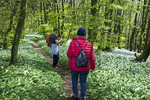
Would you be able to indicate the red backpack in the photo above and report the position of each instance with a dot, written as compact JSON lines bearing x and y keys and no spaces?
{"x":48,"y":41}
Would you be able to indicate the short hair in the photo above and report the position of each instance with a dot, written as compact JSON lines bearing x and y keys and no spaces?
{"x":55,"y":29}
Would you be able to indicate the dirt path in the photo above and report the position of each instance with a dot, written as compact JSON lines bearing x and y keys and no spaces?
{"x":65,"y":75}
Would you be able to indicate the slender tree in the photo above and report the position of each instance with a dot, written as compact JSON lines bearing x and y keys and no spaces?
{"x":134,"y":30}
{"x":143,"y":25}
{"x":58,"y":19}
{"x":92,"y":33}
{"x":146,"y":50}
{"x":45,"y":8}
{"x":13,"y":12}
{"x":63,"y":17}
{"x":41,"y":11}
{"x":18,"y":32}
{"x":148,"y":33}
{"x":84,"y":13}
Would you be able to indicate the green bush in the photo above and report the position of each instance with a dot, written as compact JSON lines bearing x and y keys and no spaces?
{"x":32,"y":78}
{"x":45,"y":30}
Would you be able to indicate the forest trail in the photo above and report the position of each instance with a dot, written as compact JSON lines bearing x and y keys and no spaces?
{"x":65,"y":75}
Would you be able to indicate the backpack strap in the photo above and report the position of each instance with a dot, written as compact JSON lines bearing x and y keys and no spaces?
{"x":49,"y":38}
{"x":85,"y":46}
{"x":79,"y":46}
{"x":50,"y":35}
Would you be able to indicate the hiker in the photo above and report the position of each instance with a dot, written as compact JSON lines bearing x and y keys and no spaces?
{"x":54,"y":47}
{"x":72,"y":53}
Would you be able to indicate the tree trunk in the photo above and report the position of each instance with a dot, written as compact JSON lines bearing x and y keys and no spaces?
{"x":63,"y":18}
{"x":128,"y":42}
{"x":136,"y":36}
{"x":135,"y":45}
{"x":84,"y":14}
{"x":148,"y":29}
{"x":70,"y":3}
{"x":1,"y":38}
{"x":143,"y":25}
{"x":147,"y":36}
{"x":74,"y":13}
{"x":92,"y":33}
{"x":49,"y":5}
{"x":44,"y":9}
{"x":146,"y":50}
{"x":6,"y":37}
{"x":58,"y":20}
{"x":110,"y":11}
{"x":134,"y":30}
{"x":54,"y":5}
{"x":18,"y":32}
{"x":41,"y":10}
{"x":45,"y":6}
{"x":119,"y":31}
{"x":117,"y":27}
{"x":133,"y":33}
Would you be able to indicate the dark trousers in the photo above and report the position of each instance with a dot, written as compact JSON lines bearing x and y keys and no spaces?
{"x":74,"y":77}
{"x":55,"y":59}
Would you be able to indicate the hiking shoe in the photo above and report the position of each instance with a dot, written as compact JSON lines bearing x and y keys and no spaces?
{"x":55,"y":67}
{"x":75,"y":97}
{"x":82,"y":98}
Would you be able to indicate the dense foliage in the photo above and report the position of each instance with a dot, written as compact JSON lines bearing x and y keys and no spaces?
{"x":31,"y":78}
{"x":115,"y":76}
{"x":110,"y":23}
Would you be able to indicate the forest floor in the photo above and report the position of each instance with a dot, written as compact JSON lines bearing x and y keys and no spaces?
{"x":65,"y":75}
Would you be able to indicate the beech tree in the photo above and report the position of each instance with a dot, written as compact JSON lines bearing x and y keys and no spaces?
{"x":18,"y":32}
{"x":146,"y":50}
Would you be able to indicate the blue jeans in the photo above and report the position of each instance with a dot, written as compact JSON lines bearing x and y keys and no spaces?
{"x":55,"y":59}
{"x":74,"y":77}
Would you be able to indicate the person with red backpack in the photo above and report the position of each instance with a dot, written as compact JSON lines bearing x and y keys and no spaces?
{"x":53,"y":44}
{"x":81,"y":55}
